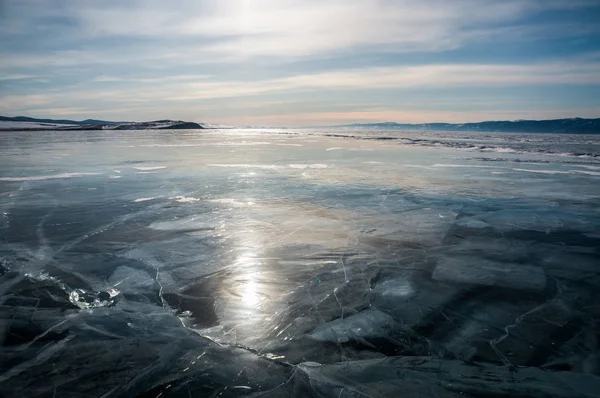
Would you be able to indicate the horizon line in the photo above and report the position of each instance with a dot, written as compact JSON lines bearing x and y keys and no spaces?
{"x":300,"y":126}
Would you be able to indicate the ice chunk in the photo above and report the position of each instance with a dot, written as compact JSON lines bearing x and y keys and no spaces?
{"x":533,"y":336}
{"x":427,"y":376}
{"x":413,"y":298}
{"x":492,"y":248}
{"x":90,"y":299}
{"x":369,"y":323}
{"x":129,"y":280}
{"x":471,"y":223}
{"x":410,"y":228}
{"x":579,"y":354}
{"x":569,"y":265}
{"x":485,"y":272}
{"x":396,"y":288}
{"x":510,"y":220}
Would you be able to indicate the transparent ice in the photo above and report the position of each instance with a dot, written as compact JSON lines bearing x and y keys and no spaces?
{"x":299,"y":263}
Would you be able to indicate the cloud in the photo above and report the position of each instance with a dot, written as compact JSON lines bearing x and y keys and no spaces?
{"x":143,"y":56}
{"x":311,"y":27}
{"x":156,"y":34}
{"x":240,"y":29}
{"x":451,"y":75}
{"x":194,"y":88}
{"x":16,"y":77}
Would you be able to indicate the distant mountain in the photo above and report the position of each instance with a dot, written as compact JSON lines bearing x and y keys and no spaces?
{"x":94,"y":121}
{"x":566,"y":126}
{"x":53,"y":121}
{"x":28,"y":123}
{"x":156,"y":125}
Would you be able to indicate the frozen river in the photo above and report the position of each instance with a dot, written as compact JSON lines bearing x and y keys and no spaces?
{"x":280,"y":263}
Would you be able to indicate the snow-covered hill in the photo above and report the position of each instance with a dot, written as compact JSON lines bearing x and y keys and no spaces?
{"x":25,"y":123}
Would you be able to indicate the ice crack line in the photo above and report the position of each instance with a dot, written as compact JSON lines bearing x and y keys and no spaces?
{"x":344,"y":268}
{"x":338,"y":301}
{"x":160,"y":290}
{"x":493,"y":343}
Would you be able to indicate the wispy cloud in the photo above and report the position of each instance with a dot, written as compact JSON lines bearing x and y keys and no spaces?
{"x":17,"y":77}
{"x":453,"y":75}
{"x":194,"y":87}
{"x":287,"y":28}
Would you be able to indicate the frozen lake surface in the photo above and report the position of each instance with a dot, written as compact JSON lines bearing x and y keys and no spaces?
{"x":281,"y":263}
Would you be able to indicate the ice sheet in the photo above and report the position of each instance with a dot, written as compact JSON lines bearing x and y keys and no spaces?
{"x":479,"y":271}
{"x":260,"y":263}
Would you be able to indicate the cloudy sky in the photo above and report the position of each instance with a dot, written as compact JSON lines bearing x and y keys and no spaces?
{"x":300,"y":62}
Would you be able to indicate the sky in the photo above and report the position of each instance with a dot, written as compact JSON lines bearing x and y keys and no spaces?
{"x":300,"y":62}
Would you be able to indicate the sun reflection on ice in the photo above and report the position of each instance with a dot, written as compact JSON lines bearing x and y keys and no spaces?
{"x":248,"y":287}
{"x":250,"y":295}
{"x":247,"y":300}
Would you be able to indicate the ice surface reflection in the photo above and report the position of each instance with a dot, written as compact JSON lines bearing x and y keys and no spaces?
{"x":310,"y":266}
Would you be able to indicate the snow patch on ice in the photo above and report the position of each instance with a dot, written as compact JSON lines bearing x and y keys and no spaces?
{"x":500,"y":150}
{"x":246,"y":166}
{"x":150,"y":168}
{"x":184,"y":199}
{"x":590,"y":173}
{"x":543,"y":171}
{"x":143,"y":199}
{"x":47,"y":177}
{"x":464,"y":165}
{"x":231,"y":201}
{"x":307,"y":166}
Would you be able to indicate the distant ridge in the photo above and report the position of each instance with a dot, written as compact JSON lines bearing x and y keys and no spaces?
{"x":565,"y":126}
{"x":55,"y":121}
{"x":20,"y":123}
